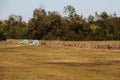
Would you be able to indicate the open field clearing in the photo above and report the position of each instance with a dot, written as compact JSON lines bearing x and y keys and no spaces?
{"x":25,"y":62}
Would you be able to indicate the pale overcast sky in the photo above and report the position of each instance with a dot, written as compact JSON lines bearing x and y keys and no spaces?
{"x":86,"y":7}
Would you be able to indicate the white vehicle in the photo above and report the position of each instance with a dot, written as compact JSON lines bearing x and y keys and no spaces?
{"x":35,"y":43}
{"x":25,"y":41}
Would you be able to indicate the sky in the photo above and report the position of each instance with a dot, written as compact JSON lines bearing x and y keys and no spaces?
{"x":85,"y":7}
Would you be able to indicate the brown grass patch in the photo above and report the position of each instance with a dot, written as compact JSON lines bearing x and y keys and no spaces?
{"x":13,"y":64}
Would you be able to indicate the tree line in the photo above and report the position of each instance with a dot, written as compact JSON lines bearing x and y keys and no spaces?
{"x":47,"y":25}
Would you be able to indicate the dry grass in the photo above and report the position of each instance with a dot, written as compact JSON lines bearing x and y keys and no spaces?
{"x":24,"y":62}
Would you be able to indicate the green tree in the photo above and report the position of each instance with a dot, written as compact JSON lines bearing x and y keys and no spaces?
{"x":2,"y":34}
{"x":70,"y":10}
{"x":37,"y":28}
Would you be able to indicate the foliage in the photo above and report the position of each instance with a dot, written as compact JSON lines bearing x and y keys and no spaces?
{"x":53,"y":26}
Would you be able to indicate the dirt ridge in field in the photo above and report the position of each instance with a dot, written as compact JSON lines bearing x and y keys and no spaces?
{"x":107,"y":45}
{"x":113,"y":62}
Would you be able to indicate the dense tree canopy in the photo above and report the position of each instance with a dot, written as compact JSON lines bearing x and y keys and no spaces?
{"x":53,"y":26}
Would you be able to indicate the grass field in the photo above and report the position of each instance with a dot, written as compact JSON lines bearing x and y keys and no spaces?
{"x":24,"y":62}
